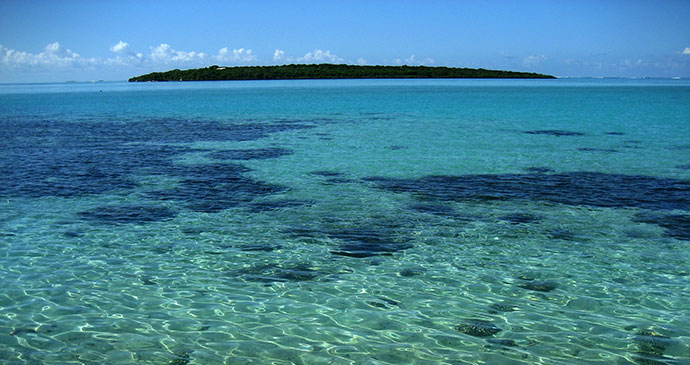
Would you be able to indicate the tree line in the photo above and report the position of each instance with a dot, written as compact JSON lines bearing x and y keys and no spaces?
{"x":328,"y":71}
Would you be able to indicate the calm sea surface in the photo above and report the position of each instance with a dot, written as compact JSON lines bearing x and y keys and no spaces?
{"x":346,"y":222}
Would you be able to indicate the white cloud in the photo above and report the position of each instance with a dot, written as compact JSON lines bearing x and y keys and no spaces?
{"x":236,"y":55}
{"x":320,"y":56}
{"x":120,"y":47}
{"x":630,"y":63}
{"x":686,"y":50}
{"x":54,"y":54}
{"x":534,"y":60}
{"x":413,"y":61}
{"x":278,"y":55}
{"x":361,"y":61}
{"x":165,"y":54}
{"x":123,"y":55}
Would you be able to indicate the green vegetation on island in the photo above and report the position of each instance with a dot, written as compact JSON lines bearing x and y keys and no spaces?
{"x":331,"y":71}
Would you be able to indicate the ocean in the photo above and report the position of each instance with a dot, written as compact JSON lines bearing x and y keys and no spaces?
{"x":346,"y":222}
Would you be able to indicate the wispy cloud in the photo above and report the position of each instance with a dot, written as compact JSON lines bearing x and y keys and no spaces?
{"x":686,"y":50}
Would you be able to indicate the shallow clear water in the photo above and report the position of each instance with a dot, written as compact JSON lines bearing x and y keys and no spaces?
{"x":369,"y":221}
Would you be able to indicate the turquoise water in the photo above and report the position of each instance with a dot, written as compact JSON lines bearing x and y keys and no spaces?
{"x":351,"y":221}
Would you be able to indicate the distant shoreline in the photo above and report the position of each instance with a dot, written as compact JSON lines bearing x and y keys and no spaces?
{"x":332,"y":71}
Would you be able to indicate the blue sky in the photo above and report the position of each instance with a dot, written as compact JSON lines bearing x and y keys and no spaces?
{"x":53,"y":41}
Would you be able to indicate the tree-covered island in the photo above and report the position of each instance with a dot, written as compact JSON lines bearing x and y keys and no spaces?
{"x":331,"y":71}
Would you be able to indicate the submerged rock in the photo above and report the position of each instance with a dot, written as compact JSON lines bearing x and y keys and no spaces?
{"x":377,"y":304}
{"x":72,"y":234}
{"x":181,"y":358}
{"x":504,"y":307}
{"x":389,"y":301}
{"x":539,"y":285}
{"x":650,"y":342}
{"x":478,"y":328}
{"x":407,"y":272}
{"x":502,"y":342}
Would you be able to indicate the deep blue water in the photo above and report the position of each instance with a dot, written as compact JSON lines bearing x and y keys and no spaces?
{"x":346,"y":221}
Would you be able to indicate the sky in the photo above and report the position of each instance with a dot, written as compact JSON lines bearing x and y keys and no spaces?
{"x":79,"y":40}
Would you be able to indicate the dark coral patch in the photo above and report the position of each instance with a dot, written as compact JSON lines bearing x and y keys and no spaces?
{"x":615,"y":133}
{"x":66,"y":158}
{"x":333,"y":177}
{"x":251,"y":154}
{"x":554,"y":132}
{"x":574,"y":188}
{"x":379,"y":239}
{"x":272,"y":205}
{"x":676,"y":225}
{"x":366,"y":242}
{"x":127,"y":214}
{"x":520,"y":218}
{"x":434,"y":209}
{"x":269,"y":273}
{"x":539,"y":169}
{"x":327,"y":173}
{"x":683,"y":167}
{"x":338,"y":180}
{"x":539,"y":285}
{"x":260,"y":247}
{"x":592,"y":149}
{"x":215,"y":187}
{"x":562,"y":234}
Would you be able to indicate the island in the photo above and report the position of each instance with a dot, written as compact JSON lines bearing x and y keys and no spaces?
{"x":332,"y":71}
